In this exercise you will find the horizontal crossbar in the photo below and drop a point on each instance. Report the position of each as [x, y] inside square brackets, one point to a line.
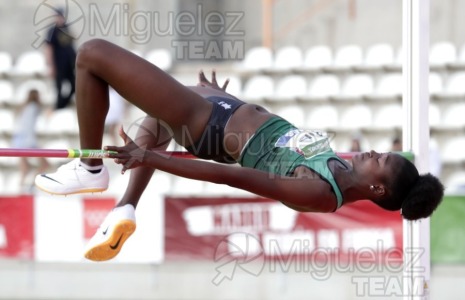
[98, 154]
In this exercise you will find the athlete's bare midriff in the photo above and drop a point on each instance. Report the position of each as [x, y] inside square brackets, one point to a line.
[243, 123]
[242, 126]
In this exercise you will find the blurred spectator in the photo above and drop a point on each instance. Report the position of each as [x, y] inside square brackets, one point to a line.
[61, 58]
[356, 143]
[115, 116]
[24, 135]
[396, 144]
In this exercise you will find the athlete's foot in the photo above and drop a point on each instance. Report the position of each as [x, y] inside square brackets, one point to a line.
[110, 237]
[73, 178]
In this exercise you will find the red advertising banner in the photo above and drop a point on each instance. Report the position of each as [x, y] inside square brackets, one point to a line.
[17, 227]
[211, 228]
[95, 211]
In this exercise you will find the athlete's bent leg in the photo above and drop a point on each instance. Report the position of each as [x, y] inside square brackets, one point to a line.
[139, 82]
[120, 223]
[99, 64]
[151, 134]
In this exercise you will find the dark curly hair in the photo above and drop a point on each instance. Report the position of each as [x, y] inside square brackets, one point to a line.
[416, 195]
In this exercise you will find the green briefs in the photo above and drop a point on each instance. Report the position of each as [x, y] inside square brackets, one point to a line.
[278, 147]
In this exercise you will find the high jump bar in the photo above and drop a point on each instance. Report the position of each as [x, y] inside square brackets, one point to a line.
[99, 154]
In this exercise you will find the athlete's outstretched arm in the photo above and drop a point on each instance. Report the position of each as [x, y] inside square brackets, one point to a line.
[308, 194]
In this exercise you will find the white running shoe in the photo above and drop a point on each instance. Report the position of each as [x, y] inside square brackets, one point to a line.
[117, 227]
[72, 178]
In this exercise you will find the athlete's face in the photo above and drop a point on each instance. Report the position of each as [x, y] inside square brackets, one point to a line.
[374, 166]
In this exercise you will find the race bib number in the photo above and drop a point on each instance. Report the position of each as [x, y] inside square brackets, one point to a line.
[306, 143]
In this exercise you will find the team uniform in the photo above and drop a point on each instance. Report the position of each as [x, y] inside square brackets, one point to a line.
[277, 147]
[210, 146]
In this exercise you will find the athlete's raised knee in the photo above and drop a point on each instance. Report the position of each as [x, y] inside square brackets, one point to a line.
[89, 50]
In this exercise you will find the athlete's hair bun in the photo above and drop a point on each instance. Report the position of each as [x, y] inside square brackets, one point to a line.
[423, 198]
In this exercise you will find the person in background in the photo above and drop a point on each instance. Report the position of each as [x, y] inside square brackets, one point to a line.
[61, 57]
[24, 135]
[356, 143]
[396, 144]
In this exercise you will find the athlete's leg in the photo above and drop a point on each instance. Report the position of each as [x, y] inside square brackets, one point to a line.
[152, 135]
[100, 63]
[119, 225]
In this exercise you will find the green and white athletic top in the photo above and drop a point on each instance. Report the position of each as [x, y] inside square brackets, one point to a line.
[279, 147]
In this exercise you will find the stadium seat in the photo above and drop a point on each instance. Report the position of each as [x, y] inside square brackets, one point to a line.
[234, 86]
[346, 58]
[6, 63]
[316, 58]
[388, 117]
[256, 60]
[30, 63]
[376, 57]
[286, 59]
[160, 58]
[293, 113]
[454, 87]
[441, 54]
[388, 87]
[356, 117]
[455, 183]
[381, 143]
[435, 84]
[323, 87]
[323, 117]
[454, 116]
[8, 162]
[45, 92]
[7, 121]
[452, 150]
[356, 87]
[62, 122]
[397, 63]
[459, 64]
[257, 88]
[434, 115]
[6, 92]
[289, 88]
[187, 79]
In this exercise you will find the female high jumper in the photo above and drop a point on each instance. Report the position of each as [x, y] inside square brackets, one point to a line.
[278, 160]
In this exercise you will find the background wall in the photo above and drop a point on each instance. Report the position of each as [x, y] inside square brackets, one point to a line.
[295, 22]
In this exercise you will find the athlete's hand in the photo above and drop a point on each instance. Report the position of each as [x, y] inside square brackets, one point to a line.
[130, 155]
[203, 81]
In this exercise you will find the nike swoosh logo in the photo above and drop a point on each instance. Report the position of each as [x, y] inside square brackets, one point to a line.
[43, 175]
[105, 231]
[115, 246]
